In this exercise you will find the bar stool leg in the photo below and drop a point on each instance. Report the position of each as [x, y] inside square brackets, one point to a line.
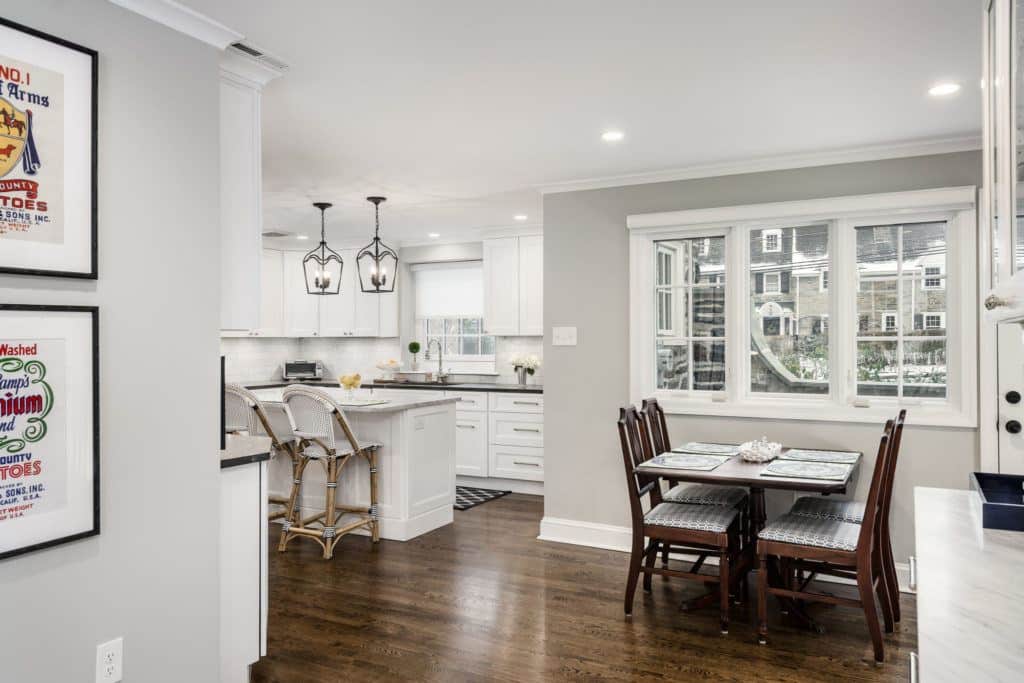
[329, 509]
[371, 458]
[293, 516]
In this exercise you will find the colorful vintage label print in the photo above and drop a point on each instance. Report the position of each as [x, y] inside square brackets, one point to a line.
[31, 152]
[33, 454]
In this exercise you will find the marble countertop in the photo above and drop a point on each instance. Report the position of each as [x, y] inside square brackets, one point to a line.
[970, 595]
[244, 450]
[455, 386]
[393, 404]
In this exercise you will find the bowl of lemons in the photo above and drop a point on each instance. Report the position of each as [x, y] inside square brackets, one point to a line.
[350, 383]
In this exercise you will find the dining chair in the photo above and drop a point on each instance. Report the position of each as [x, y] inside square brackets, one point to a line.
[697, 529]
[245, 412]
[327, 438]
[824, 545]
[853, 511]
[692, 493]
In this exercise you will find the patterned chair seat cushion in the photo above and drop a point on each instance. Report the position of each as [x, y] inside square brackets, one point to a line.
[843, 510]
[820, 532]
[714, 518]
[706, 494]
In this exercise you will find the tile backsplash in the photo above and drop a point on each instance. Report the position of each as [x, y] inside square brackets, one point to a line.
[261, 359]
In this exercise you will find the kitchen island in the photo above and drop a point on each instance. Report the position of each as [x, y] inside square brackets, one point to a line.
[415, 463]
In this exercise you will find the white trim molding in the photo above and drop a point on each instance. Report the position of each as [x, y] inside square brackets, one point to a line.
[912, 148]
[183, 19]
[246, 70]
[843, 215]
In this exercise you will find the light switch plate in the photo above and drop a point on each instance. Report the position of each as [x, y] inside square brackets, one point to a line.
[563, 336]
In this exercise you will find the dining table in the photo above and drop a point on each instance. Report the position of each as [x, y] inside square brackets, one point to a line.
[738, 472]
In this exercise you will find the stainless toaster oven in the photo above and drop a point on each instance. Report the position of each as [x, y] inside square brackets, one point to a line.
[303, 369]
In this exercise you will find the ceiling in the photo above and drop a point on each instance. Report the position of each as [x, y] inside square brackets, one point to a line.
[459, 110]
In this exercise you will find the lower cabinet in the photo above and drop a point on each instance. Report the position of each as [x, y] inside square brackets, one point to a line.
[516, 462]
[471, 443]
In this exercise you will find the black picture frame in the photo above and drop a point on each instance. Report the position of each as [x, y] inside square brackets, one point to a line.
[93, 272]
[94, 313]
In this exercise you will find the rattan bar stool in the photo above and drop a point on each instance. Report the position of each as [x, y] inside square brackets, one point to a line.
[245, 412]
[326, 437]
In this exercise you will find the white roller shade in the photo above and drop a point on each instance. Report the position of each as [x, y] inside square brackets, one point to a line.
[449, 289]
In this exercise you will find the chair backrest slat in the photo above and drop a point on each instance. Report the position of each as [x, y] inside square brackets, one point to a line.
[636, 449]
[890, 471]
[873, 505]
[654, 414]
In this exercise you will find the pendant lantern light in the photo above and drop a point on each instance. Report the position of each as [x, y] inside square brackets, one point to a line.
[322, 266]
[377, 263]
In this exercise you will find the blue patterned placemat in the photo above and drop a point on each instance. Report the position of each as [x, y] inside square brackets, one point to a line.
[807, 455]
[797, 469]
[707, 448]
[689, 461]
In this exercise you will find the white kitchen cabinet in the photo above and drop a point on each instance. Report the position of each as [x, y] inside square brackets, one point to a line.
[271, 295]
[516, 403]
[469, 401]
[388, 311]
[301, 309]
[501, 289]
[516, 429]
[516, 462]
[470, 443]
[351, 312]
[531, 286]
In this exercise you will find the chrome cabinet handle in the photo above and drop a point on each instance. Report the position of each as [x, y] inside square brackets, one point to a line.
[525, 403]
[525, 429]
[914, 668]
[913, 573]
[530, 464]
[466, 426]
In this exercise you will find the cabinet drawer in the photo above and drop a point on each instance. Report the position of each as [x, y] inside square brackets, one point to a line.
[469, 401]
[517, 403]
[407, 393]
[517, 462]
[517, 429]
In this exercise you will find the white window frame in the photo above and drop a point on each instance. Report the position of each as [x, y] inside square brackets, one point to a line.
[941, 315]
[940, 277]
[886, 315]
[777, 234]
[956, 206]
[777, 279]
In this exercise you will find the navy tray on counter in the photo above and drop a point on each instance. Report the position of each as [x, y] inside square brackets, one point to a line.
[1002, 500]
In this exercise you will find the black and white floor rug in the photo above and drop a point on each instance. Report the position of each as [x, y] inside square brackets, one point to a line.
[469, 496]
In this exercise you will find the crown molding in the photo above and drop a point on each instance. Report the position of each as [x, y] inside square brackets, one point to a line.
[249, 70]
[776, 163]
[184, 20]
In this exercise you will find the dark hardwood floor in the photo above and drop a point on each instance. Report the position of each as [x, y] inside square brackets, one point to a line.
[483, 599]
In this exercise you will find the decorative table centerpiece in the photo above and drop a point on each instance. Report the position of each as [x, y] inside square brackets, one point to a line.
[389, 367]
[525, 366]
[761, 450]
[350, 383]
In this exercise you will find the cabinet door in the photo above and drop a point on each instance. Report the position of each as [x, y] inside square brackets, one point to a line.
[366, 317]
[271, 294]
[301, 310]
[516, 429]
[471, 443]
[501, 286]
[516, 462]
[531, 286]
[337, 311]
[388, 315]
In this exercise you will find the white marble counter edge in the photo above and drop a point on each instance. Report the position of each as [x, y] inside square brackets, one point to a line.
[392, 406]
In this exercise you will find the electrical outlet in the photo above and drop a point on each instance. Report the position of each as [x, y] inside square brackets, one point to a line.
[110, 661]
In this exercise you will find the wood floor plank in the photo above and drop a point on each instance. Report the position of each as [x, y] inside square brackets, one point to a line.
[483, 600]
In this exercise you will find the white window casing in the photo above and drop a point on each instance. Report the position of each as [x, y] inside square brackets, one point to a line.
[771, 241]
[955, 206]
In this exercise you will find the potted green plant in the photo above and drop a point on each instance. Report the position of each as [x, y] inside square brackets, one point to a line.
[414, 349]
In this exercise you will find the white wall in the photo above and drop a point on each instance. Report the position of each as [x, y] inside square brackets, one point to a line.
[151, 575]
[587, 285]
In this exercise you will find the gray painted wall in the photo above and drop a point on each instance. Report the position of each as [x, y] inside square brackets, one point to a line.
[586, 278]
[151, 576]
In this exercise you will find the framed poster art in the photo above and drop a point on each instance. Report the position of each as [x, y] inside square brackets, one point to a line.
[49, 426]
[47, 154]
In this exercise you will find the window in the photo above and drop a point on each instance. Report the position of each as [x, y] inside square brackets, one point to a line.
[901, 355]
[449, 310]
[690, 302]
[932, 277]
[866, 305]
[790, 356]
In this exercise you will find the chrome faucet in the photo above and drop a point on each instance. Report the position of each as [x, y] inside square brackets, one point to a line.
[440, 359]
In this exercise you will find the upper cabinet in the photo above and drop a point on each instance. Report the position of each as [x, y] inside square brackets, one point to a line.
[513, 286]
[301, 309]
[271, 294]
[241, 217]
[352, 312]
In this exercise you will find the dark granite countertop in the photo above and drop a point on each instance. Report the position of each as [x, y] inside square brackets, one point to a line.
[455, 386]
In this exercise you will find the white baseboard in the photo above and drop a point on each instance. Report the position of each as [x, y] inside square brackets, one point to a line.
[533, 488]
[620, 538]
[397, 529]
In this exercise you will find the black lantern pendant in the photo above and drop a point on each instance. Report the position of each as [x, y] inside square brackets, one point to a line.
[322, 266]
[377, 263]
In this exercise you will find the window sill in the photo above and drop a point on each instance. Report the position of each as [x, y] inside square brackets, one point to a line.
[812, 411]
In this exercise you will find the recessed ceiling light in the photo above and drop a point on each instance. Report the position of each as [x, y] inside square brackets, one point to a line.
[302, 237]
[943, 89]
[612, 135]
[433, 235]
[520, 217]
